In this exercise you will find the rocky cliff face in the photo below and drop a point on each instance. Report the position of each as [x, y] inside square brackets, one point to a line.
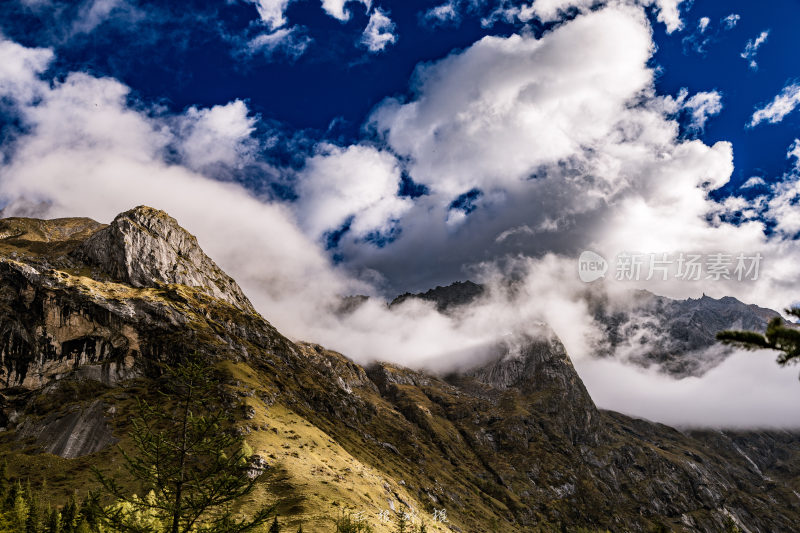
[145, 247]
[513, 445]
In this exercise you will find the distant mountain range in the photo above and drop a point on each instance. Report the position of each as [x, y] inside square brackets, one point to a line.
[645, 329]
[513, 445]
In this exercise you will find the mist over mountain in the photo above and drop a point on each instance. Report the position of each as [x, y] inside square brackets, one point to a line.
[514, 443]
[676, 336]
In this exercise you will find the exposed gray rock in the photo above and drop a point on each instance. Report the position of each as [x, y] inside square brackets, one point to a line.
[145, 247]
[79, 432]
[256, 465]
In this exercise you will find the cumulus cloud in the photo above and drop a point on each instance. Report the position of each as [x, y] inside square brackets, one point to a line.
[783, 104]
[478, 116]
[20, 69]
[751, 49]
[218, 135]
[380, 31]
[356, 185]
[337, 9]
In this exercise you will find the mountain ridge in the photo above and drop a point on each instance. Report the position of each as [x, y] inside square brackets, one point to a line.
[515, 444]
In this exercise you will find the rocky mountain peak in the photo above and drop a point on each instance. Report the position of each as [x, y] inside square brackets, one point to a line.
[145, 247]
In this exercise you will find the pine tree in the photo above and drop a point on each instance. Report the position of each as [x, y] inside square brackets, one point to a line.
[401, 522]
[53, 521]
[4, 481]
[186, 455]
[11, 495]
[300, 529]
[778, 336]
[88, 512]
[33, 522]
[275, 527]
[349, 523]
[19, 510]
[69, 516]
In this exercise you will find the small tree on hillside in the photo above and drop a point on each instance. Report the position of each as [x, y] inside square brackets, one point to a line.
[189, 465]
[350, 523]
[275, 527]
[778, 336]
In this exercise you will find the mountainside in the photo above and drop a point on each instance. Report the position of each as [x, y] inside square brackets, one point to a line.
[676, 334]
[513, 445]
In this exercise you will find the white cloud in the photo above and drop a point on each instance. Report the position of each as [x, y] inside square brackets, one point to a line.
[480, 116]
[336, 8]
[379, 32]
[668, 11]
[753, 181]
[702, 106]
[272, 12]
[443, 13]
[725, 397]
[20, 68]
[702, 24]
[781, 207]
[290, 41]
[731, 21]
[751, 49]
[340, 183]
[783, 104]
[93, 13]
[218, 135]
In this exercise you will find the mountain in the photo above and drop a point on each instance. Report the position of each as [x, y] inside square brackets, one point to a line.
[515, 444]
[448, 297]
[679, 336]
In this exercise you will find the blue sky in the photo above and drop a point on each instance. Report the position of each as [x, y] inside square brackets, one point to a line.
[181, 54]
[305, 90]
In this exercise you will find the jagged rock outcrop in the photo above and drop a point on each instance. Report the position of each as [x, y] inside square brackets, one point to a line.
[513, 445]
[446, 298]
[145, 247]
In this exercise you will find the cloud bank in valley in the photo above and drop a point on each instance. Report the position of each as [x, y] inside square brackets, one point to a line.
[522, 152]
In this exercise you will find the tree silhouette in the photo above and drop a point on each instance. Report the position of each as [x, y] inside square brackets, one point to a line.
[779, 336]
[189, 464]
